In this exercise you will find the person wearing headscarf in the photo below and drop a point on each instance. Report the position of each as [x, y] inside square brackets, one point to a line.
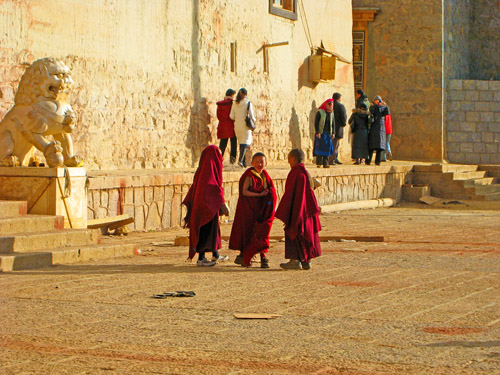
[225, 129]
[376, 135]
[204, 203]
[361, 97]
[254, 214]
[324, 127]
[340, 116]
[299, 211]
[360, 121]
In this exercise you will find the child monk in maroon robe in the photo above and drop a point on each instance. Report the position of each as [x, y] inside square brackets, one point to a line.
[254, 214]
[299, 211]
[204, 201]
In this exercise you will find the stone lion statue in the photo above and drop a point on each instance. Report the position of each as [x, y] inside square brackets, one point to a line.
[40, 111]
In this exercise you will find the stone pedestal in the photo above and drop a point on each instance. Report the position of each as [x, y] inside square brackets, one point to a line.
[48, 191]
[413, 193]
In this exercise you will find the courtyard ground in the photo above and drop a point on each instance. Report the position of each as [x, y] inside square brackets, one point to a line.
[424, 301]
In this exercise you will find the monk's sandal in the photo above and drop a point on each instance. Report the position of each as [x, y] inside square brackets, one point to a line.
[291, 265]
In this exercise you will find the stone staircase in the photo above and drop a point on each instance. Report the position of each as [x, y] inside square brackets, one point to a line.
[34, 241]
[456, 181]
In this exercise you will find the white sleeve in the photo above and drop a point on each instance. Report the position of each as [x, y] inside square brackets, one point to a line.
[251, 113]
[231, 115]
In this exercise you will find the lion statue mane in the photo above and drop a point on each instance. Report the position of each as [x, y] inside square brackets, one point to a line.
[41, 117]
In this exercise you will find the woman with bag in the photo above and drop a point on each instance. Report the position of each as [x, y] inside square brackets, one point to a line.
[242, 107]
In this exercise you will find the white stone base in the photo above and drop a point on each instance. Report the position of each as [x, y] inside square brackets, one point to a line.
[44, 188]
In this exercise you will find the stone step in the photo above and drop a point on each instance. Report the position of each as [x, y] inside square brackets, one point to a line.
[488, 189]
[446, 168]
[480, 181]
[26, 261]
[36, 242]
[13, 208]
[30, 223]
[468, 175]
[491, 196]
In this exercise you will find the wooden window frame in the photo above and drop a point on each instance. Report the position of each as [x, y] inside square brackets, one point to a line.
[283, 12]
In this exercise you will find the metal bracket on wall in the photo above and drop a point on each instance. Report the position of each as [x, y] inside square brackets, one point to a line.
[265, 54]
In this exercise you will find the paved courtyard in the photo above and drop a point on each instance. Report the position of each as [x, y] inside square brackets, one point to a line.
[424, 301]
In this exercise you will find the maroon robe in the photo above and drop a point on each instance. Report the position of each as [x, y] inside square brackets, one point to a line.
[254, 217]
[299, 210]
[203, 201]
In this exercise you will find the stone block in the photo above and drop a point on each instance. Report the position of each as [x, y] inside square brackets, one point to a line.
[455, 84]
[494, 127]
[453, 147]
[496, 96]
[491, 148]
[495, 158]
[487, 137]
[129, 195]
[485, 96]
[469, 84]
[472, 95]
[456, 95]
[473, 116]
[497, 137]
[158, 193]
[494, 85]
[472, 158]
[139, 218]
[495, 106]
[459, 137]
[454, 105]
[468, 106]
[487, 117]
[148, 194]
[475, 137]
[485, 158]
[467, 147]
[468, 127]
[482, 85]
[153, 221]
[456, 157]
[497, 116]
[482, 127]
[481, 106]
[479, 148]
[138, 196]
[456, 116]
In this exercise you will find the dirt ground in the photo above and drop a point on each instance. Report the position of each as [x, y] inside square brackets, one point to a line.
[426, 300]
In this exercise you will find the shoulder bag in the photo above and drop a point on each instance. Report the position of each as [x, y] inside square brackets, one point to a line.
[248, 120]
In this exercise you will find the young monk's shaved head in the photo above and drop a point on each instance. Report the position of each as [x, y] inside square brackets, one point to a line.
[258, 154]
[298, 155]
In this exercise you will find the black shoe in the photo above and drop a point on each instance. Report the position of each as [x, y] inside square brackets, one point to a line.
[239, 260]
[337, 161]
[264, 263]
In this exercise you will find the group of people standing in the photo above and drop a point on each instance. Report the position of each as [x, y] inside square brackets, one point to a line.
[232, 126]
[255, 212]
[371, 126]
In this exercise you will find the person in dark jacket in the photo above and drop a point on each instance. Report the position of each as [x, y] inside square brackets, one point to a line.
[361, 97]
[225, 129]
[376, 135]
[360, 124]
[324, 125]
[340, 115]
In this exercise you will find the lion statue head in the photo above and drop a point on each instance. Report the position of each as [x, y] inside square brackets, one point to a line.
[46, 78]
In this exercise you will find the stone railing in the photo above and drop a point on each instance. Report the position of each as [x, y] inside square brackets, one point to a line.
[473, 122]
[153, 197]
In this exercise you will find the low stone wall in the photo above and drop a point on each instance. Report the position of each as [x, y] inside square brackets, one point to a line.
[153, 197]
[473, 122]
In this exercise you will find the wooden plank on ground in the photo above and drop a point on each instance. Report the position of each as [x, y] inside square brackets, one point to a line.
[332, 238]
[255, 316]
[111, 222]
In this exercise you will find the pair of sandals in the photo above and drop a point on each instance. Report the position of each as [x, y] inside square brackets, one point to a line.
[180, 293]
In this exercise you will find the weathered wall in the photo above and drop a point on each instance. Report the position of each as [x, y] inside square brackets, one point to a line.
[154, 200]
[473, 122]
[485, 39]
[147, 74]
[405, 68]
[457, 33]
